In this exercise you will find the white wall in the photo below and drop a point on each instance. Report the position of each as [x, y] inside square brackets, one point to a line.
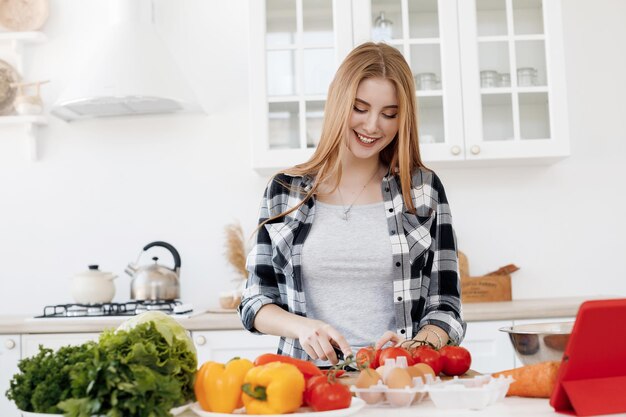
[104, 188]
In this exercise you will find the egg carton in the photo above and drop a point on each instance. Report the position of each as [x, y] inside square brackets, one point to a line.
[381, 394]
[469, 393]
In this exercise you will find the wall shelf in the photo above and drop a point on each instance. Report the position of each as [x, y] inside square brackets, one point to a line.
[30, 124]
[13, 43]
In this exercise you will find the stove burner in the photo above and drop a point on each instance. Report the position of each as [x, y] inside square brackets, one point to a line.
[130, 308]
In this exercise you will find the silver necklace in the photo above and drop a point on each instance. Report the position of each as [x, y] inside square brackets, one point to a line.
[346, 211]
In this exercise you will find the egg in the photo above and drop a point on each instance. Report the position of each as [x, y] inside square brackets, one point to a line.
[398, 379]
[416, 372]
[369, 378]
[426, 370]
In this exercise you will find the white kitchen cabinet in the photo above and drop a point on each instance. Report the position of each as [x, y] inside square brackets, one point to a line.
[31, 342]
[221, 346]
[490, 348]
[450, 44]
[9, 358]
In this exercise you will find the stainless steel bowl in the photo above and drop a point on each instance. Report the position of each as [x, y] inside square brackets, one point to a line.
[539, 342]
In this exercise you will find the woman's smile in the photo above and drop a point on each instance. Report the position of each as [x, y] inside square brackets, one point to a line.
[364, 139]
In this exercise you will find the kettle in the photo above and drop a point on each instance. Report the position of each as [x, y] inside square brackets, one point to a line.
[155, 282]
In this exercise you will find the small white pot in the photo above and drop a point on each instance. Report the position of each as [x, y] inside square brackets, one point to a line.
[93, 286]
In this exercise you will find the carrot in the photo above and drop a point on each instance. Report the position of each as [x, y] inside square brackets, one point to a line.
[536, 380]
[307, 368]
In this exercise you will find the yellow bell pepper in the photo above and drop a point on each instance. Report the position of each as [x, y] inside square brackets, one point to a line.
[218, 386]
[275, 388]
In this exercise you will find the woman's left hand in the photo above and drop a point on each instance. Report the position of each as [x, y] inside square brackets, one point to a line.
[387, 337]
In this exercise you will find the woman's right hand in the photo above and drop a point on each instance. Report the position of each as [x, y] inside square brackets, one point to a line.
[318, 338]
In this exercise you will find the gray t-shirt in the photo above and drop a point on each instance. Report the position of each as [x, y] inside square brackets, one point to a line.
[347, 272]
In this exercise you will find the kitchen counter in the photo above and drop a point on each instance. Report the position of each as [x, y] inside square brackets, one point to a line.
[504, 310]
[510, 406]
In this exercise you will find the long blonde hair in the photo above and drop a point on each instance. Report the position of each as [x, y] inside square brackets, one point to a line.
[367, 60]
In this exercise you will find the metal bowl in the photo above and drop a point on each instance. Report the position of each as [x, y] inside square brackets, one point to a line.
[539, 342]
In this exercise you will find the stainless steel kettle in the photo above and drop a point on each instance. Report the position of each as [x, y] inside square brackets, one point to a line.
[154, 281]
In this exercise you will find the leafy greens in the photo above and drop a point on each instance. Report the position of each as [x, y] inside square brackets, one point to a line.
[134, 373]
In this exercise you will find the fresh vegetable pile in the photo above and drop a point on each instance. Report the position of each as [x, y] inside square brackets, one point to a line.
[143, 369]
[273, 384]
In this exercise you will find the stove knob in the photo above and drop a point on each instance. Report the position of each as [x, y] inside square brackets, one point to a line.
[200, 340]
[9, 344]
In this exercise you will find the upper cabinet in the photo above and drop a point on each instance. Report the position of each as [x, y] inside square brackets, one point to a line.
[489, 74]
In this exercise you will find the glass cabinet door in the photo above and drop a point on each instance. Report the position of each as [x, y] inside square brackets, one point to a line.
[426, 33]
[295, 48]
[300, 63]
[507, 86]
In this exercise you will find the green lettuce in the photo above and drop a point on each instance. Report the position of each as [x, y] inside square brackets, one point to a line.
[140, 372]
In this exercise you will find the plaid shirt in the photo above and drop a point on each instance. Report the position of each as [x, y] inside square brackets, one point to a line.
[426, 287]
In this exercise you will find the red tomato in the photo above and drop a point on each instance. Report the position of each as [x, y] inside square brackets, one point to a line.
[310, 384]
[393, 353]
[326, 395]
[367, 357]
[376, 363]
[456, 360]
[429, 356]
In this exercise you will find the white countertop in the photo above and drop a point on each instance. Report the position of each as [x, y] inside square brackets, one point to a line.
[504, 310]
[510, 406]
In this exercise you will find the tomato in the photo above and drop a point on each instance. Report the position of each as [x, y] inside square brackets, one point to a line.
[376, 363]
[393, 353]
[310, 384]
[456, 360]
[429, 356]
[326, 394]
[367, 357]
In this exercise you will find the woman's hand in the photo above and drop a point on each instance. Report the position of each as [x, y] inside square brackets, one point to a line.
[387, 337]
[318, 338]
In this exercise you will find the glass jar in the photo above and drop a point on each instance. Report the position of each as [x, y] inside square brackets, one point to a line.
[426, 81]
[383, 29]
[505, 80]
[489, 79]
[526, 77]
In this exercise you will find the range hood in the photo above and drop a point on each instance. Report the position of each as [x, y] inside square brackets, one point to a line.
[131, 72]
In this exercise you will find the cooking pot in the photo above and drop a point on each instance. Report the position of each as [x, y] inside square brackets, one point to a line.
[93, 286]
[155, 281]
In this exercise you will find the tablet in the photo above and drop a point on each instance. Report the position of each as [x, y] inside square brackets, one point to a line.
[592, 376]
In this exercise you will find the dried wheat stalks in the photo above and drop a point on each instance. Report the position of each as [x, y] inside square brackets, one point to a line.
[236, 249]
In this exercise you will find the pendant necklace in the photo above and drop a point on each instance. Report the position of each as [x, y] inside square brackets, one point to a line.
[346, 211]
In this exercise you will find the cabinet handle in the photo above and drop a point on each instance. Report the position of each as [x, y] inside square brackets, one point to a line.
[455, 150]
[200, 340]
[9, 344]
[475, 150]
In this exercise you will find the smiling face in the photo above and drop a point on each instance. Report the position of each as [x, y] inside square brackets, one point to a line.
[373, 122]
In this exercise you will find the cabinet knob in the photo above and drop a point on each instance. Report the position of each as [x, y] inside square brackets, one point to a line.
[455, 150]
[475, 150]
[9, 344]
[200, 340]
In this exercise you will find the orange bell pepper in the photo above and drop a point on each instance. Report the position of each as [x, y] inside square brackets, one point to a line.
[218, 386]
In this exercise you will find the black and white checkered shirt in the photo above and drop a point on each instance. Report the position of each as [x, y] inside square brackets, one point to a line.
[426, 288]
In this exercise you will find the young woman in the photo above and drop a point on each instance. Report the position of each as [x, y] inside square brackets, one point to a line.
[356, 245]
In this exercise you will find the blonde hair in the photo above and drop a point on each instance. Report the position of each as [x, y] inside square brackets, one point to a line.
[368, 60]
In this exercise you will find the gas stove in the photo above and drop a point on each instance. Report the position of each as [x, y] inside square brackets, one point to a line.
[130, 308]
